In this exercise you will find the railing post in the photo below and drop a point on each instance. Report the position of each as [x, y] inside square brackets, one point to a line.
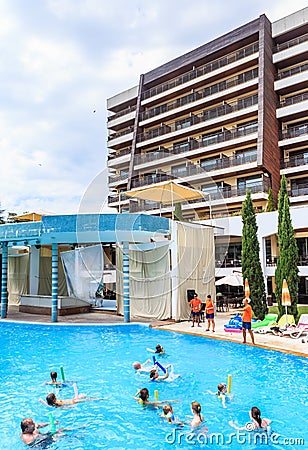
[54, 282]
[4, 299]
[126, 299]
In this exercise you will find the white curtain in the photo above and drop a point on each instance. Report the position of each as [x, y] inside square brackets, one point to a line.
[18, 279]
[150, 282]
[83, 268]
[196, 264]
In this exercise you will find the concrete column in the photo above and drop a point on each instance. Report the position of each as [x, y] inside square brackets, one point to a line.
[4, 299]
[126, 300]
[54, 282]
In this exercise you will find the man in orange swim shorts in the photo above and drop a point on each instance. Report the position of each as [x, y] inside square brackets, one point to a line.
[247, 316]
[195, 305]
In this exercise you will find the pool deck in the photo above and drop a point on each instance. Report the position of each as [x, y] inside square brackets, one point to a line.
[283, 344]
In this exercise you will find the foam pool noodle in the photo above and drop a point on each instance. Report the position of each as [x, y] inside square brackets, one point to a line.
[229, 385]
[156, 394]
[62, 373]
[52, 423]
[75, 390]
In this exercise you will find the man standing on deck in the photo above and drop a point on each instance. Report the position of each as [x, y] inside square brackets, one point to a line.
[247, 317]
[195, 305]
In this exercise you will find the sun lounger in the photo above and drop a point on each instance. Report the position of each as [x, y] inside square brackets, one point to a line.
[274, 327]
[268, 320]
[295, 331]
[283, 323]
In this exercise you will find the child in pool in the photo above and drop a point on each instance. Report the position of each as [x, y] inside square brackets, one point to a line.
[52, 400]
[142, 396]
[154, 375]
[257, 422]
[158, 349]
[168, 413]
[198, 418]
[54, 382]
[144, 367]
[221, 393]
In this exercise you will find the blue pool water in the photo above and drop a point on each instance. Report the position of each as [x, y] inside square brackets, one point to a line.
[100, 359]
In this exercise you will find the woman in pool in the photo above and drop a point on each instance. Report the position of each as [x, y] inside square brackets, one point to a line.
[52, 400]
[256, 423]
[142, 396]
[196, 410]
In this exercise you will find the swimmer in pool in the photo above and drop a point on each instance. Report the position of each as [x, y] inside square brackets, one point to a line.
[221, 393]
[158, 349]
[144, 367]
[30, 431]
[54, 382]
[142, 396]
[52, 400]
[198, 418]
[256, 423]
[168, 413]
[154, 375]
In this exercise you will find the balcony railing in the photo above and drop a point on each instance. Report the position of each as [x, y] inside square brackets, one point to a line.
[293, 132]
[295, 161]
[293, 71]
[202, 70]
[203, 93]
[200, 118]
[122, 113]
[272, 261]
[120, 133]
[293, 100]
[228, 262]
[151, 179]
[297, 191]
[118, 198]
[220, 194]
[116, 178]
[291, 43]
[194, 144]
[127, 151]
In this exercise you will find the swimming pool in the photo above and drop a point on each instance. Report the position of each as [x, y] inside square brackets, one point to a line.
[99, 359]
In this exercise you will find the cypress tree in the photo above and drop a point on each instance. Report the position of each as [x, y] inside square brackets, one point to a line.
[251, 265]
[281, 196]
[270, 202]
[287, 261]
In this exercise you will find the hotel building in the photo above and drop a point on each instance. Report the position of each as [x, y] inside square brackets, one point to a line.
[229, 116]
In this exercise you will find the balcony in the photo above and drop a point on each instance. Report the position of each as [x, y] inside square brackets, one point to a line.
[298, 191]
[202, 70]
[117, 178]
[293, 71]
[228, 262]
[293, 100]
[219, 194]
[151, 179]
[294, 132]
[272, 261]
[294, 161]
[291, 43]
[198, 95]
[195, 144]
[120, 133]
[200, 118]
[117, 198]
[121, 113]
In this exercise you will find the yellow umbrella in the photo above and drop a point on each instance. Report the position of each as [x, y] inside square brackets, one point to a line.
[285, 297]
[247, 289]
[168, 192]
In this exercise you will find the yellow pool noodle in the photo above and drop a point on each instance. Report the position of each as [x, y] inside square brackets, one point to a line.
[229, 385]
[156, 394]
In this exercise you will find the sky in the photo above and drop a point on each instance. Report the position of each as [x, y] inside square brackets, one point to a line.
[62, 59]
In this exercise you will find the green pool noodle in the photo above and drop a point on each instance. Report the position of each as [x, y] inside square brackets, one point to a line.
[52, 423]
[62, 373]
